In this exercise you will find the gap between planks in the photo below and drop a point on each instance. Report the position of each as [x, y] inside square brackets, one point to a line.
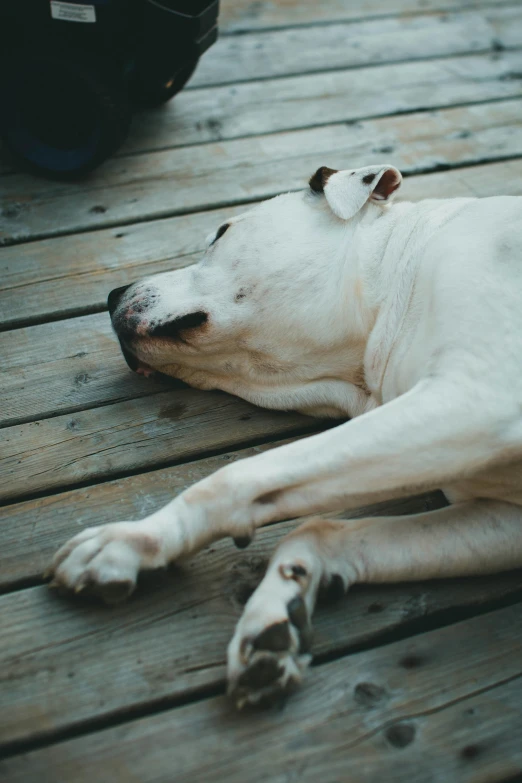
[349, 44]
[131, 439]
[264, 107]
[246, 170]
[300, 51]
[350, 705]
[80, 649]
[267, 15]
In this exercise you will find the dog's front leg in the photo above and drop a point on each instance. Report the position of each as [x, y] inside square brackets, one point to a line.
[423, 439]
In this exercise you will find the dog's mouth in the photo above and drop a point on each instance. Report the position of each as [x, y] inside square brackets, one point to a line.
[135, 364]
[177, 331]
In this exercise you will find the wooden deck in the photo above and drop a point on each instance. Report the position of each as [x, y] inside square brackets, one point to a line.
[420, 682]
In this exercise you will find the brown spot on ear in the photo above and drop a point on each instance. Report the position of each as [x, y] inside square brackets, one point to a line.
[368, 179]
[320, 178]
[389, 182]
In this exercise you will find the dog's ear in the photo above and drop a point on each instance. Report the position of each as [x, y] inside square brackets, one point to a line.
[348, 191]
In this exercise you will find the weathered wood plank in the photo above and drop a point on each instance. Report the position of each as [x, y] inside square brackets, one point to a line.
[324, 47]
[243, 110]
[349, 711]
[478, 738]
[241, 16]
[31, 531]
[66, 366]
[159, 184]
[103, 443]
[209, 115]
[229, 112]
[67, 276]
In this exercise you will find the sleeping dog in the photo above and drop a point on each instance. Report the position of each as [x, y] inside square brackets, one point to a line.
[404, 318]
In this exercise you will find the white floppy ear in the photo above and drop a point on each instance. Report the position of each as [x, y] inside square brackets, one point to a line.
[348, 191]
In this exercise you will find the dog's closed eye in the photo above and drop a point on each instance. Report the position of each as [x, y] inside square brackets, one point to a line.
[221, 230]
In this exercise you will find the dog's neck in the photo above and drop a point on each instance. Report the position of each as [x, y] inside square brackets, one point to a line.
[384, 251]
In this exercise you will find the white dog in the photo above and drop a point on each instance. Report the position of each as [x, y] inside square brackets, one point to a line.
[408, 320]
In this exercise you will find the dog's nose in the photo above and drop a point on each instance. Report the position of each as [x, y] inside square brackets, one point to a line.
[115, 297]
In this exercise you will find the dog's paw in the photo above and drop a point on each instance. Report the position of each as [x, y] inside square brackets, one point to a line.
[104, 561]
[269, 652]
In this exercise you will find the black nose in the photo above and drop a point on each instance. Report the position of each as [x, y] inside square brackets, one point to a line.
[115, 298]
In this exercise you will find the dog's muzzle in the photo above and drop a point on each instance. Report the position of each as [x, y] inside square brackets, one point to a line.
[131, 321]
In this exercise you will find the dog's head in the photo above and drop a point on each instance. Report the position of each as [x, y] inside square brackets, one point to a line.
[273, 308]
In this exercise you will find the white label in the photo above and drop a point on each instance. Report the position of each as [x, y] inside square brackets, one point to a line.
[71, 12]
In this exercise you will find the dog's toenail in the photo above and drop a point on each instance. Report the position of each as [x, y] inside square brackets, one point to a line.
[276, 638]
[242, 541]
[297, 613]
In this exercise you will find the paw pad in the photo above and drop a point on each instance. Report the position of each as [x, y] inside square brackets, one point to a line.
[261, 673]
[275, 638]
[274, 660]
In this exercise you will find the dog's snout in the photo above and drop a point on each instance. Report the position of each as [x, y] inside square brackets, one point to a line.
[115, 297]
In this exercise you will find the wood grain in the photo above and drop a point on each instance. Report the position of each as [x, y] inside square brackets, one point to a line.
[367, 712]
[107, 442]
[242, 110]
[160, 184]
[240, 16]
[475, 738]
[298, 50]
[66, 366]
[305, 50]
